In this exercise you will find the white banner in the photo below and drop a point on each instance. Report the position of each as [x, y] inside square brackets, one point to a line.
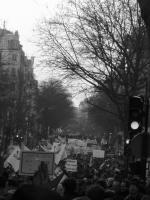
[98, 153]
[77, 142]
[30, 161]
[71, 165]
[91, 141]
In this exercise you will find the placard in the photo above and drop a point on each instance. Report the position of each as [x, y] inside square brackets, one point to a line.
[91, 142]
[98, 153]
[30, 161]
[77, 142]
[71, 165]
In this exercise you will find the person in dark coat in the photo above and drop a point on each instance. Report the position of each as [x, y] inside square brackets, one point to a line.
[35, 192]
[69, 187]
[134, 193]
[95, 192]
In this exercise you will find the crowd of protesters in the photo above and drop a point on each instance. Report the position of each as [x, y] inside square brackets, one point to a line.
[95, 179]
[100, 180]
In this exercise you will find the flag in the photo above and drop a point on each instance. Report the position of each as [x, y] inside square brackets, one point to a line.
[54, 183]
[60, 177]
[13, 159]
[61, 155]
[43, 148]
[24, 148]
[49, 146]
[62, 140]
[56, 147]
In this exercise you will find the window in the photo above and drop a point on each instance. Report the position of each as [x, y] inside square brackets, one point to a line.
[12, 44]
[14, 57]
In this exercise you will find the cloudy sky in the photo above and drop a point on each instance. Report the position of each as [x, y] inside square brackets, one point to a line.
[23, 15]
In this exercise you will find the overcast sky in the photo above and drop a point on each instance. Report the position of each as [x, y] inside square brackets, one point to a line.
[23, 15]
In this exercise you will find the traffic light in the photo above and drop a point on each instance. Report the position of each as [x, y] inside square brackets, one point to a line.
[136, 115]
[127, 142]
[127, 147]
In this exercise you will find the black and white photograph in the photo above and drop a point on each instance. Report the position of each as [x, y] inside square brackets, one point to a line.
[74, 99]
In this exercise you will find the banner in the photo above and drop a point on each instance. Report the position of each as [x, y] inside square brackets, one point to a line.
[58, 149]
[95, 147]
[77, 142]
[13, 159]
[98, 153]
[72, 141]
[71, 165]
[62, 154]
[88, 150]
[91, 142]
[30, 161]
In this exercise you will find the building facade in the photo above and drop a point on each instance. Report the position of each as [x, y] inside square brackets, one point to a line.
[18, 88]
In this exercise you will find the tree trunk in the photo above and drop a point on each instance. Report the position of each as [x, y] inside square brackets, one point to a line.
[145, 13]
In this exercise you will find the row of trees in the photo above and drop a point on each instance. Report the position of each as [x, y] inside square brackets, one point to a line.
[52, 108]
[55, 107]
[102, 43]
[26, 110]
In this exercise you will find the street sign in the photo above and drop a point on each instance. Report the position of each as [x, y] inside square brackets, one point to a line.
[30, 161]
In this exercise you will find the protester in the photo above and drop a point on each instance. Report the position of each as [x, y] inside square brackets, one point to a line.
[95, 192]
[134, 193]
[124, 189]
[93, 179]
[116, 187]
[32, 192]
[70, 189]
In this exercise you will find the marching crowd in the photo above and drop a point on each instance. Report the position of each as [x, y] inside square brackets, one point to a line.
[95, 179]
[103, 180]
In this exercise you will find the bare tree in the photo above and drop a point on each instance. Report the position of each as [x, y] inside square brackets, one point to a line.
[102, 43]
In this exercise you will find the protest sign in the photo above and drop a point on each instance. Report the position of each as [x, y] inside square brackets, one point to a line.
[91, 142]
[95, 147]
[71, 165]
[77, 142]
[88, 150]
[81, 143]
[72, 141]
[98, 153]
[31, 160]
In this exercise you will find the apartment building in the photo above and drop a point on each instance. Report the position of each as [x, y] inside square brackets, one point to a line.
[18, 86]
